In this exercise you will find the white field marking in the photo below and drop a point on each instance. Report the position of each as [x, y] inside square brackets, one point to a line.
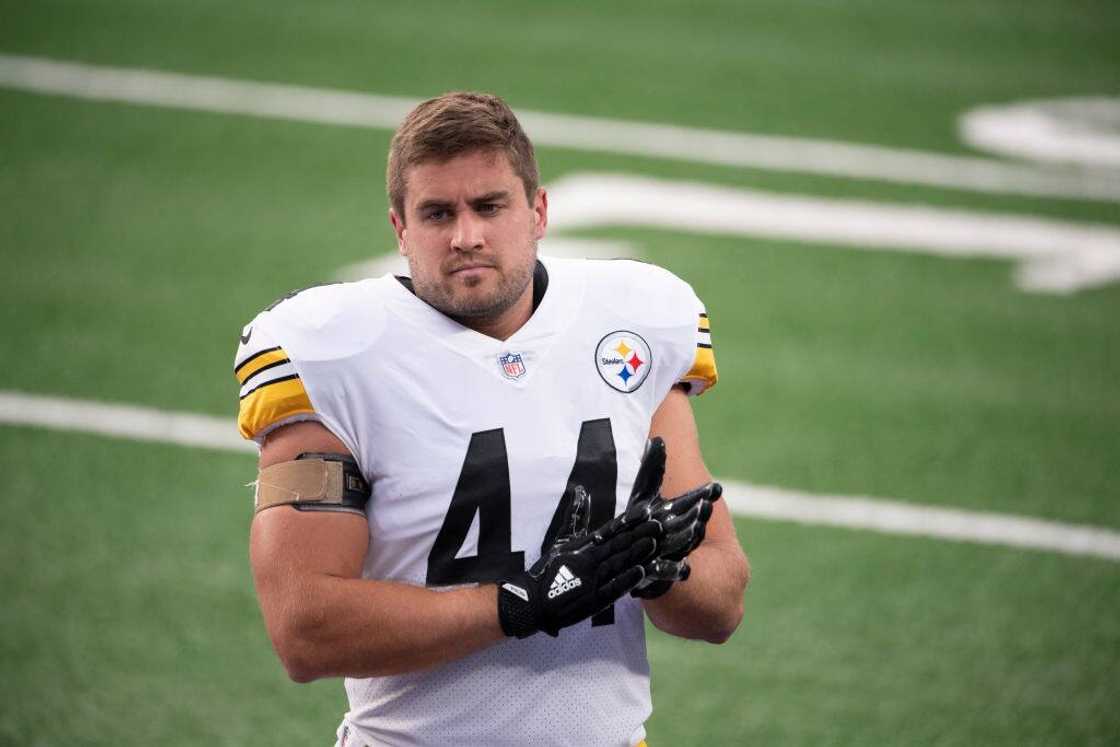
[892, 517]
[1081, 131]
[1057, 256]
[876, 514]
[122, 421]
[647, 140]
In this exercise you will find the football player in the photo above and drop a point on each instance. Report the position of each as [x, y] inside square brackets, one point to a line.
[459, 507]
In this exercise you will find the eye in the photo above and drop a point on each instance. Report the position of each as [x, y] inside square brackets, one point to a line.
[488, 208]
[436, 215]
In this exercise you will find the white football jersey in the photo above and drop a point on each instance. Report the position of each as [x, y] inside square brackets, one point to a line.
[469, 443]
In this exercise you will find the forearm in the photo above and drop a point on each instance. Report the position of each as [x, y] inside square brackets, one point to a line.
[334, 627]
[709, 605]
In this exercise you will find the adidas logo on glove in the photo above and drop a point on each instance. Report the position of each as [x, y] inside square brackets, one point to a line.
[563, 582]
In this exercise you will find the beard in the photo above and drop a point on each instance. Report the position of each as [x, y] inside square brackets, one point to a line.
[449, 296]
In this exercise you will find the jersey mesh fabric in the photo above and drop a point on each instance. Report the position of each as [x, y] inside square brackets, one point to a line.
[558, 697]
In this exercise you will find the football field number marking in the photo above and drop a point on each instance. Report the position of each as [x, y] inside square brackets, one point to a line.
[777, 504]
[1081, 131]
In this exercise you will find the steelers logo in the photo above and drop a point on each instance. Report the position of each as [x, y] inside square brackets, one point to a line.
[624, 360]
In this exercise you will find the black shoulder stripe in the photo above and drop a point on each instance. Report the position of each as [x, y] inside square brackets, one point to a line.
[703, 315]
[253, 357]
[701, 329]
[703, 344]
[260, 370]
[268, 383]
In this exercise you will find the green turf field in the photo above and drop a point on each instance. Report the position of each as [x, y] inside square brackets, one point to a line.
[138, 240]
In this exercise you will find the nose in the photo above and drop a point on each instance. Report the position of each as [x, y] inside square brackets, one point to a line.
[468, 233]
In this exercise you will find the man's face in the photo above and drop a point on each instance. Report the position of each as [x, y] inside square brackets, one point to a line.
[470, 235]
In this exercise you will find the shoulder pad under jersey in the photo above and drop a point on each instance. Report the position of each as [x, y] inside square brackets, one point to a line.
[321, 323]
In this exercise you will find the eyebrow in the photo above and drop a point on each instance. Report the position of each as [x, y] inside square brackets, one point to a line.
[491, 197]
[438, 204]
[430, 204]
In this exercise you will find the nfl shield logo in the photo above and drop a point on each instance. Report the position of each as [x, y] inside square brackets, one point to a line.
[512, 365]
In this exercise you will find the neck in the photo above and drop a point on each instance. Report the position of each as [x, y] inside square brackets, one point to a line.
[503, 325]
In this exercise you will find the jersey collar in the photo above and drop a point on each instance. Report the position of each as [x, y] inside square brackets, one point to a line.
[557, 296]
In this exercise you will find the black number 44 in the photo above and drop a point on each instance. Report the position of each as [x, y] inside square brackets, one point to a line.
[483, 488]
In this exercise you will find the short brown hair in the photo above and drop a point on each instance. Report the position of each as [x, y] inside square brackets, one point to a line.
[450, 125]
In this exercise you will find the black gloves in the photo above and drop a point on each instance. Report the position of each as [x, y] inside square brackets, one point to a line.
[683, 520]
[642, 551]
[581, 573]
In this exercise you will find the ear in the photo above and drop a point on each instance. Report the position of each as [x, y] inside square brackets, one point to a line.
[398, 228]
[540, 212]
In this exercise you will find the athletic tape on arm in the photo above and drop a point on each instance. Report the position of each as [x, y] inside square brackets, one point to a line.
[314, 482]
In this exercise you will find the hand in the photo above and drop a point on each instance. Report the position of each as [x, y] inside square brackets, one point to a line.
[580, 574]
[683, 519]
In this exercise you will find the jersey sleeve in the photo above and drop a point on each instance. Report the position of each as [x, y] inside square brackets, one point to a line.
[702, 375]
[272, 393]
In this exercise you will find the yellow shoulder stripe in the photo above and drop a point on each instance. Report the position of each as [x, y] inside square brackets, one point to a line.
[271, 403]
[705, 325]
[703, 373]
[255, 363]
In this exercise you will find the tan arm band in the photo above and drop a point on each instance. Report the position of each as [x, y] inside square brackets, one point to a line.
[314, 482]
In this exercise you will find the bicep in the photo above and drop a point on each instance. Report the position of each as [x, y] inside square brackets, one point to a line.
[285, 543]
[287, 547]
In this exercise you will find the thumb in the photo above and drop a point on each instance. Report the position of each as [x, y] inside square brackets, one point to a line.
[577, 518]
[647, 483]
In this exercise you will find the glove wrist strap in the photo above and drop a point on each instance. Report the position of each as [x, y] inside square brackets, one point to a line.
[515, 614]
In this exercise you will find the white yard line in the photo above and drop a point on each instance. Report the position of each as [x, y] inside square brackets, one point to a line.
[644, 139]
[122, 421]
[893, 517]
[875, 514]
[1056, 256]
